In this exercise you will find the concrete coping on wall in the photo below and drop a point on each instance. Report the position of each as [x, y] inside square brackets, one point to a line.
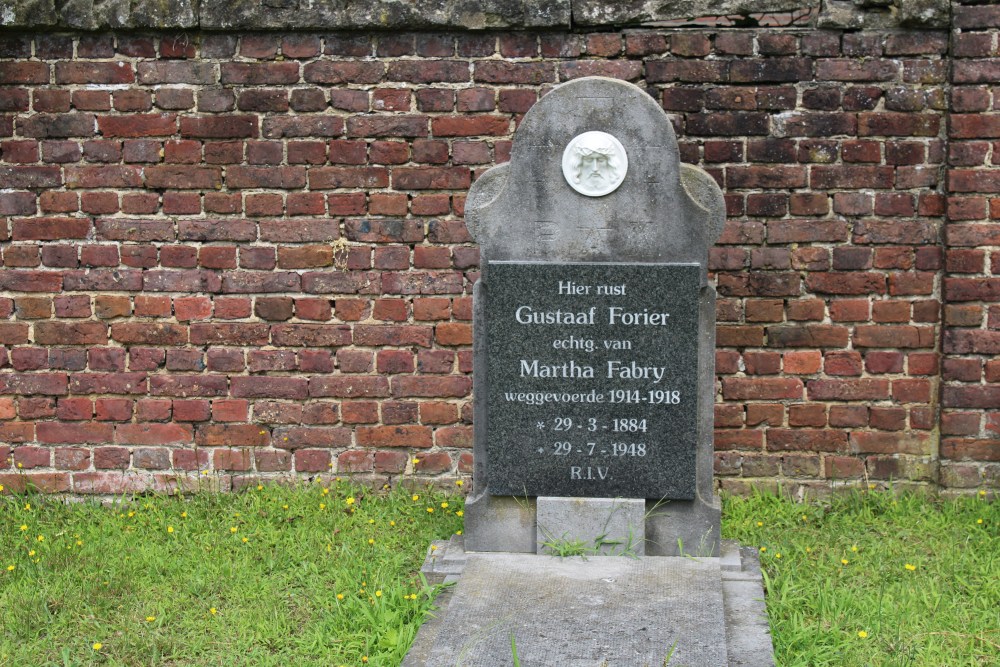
[465, 15]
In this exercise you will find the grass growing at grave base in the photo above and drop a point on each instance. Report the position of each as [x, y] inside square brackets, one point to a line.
[876, 578]
[272, 576]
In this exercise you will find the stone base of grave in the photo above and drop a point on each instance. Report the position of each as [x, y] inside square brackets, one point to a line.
[574, 612]
[508, 524]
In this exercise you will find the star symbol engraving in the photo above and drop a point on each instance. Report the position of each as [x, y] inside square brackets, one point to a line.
[541, 450]
[540, 426]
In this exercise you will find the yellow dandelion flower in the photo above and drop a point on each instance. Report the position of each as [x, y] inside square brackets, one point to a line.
[760, 523]
[459, 513]
[430, 510]
[340, 596]
[31, 553]
[213, 611]
[378, 594]
[809, 550]
[97, 646]
[844, 561]
[20, 465]
[284, 507]
[262, 433]
[24, 526]
[371, 520]
[415, 498]
[170, 529]
[777, 555]
[370, 541]
[27, 506]
[393, 523]
[350, 500]
[11, 568]
[364, 658]
[233, 529]
[326, 491]
[444, 506]
[131, 514]
[41, 538]
[805, 518]
[982, 492]
[458, 532]
[854, 548]
[150, 619]
[979, 521]
[184, 515]
[322, 506]
[260, 487]
[416, 461]
[458, 482]
[245, 540]
[1, 488]
[871, 486]
[910, 567]
[862, 634]
[434, 547]
[763, 549]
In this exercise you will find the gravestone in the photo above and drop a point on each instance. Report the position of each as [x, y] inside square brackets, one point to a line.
[594, 388]
[594, 327]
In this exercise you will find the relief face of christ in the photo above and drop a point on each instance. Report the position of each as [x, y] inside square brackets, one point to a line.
[595, 163]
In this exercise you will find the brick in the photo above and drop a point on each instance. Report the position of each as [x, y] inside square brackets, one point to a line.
[431, 178]
[816, 335]
[847, 390]
[395, 436]
[803, 439]
[90, 73]
[211, 127]
[761, 388]
[497, 71]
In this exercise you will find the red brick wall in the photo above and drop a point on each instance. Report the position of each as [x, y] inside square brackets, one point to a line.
[233, 257]
[970, 398]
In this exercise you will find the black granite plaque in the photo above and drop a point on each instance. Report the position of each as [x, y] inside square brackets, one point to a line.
[592, 376]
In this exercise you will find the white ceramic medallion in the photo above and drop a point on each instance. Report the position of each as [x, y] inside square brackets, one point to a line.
[594, 163]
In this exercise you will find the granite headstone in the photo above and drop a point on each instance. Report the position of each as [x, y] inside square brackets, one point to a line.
[594, 322]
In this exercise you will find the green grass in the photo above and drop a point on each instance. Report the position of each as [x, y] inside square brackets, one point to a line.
[877, 579]
[101, 572]
[294, 576]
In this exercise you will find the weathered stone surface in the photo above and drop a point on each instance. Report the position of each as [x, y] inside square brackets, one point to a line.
[100, 14]
[28, 13]
[735, 575]
[924, 13]
[577, 613]
[464, 14]
[632, 12]
[452, 14]
[884, 14]
[606, 526]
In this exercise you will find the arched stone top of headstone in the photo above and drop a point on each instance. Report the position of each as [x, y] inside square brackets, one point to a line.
[530, 210]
